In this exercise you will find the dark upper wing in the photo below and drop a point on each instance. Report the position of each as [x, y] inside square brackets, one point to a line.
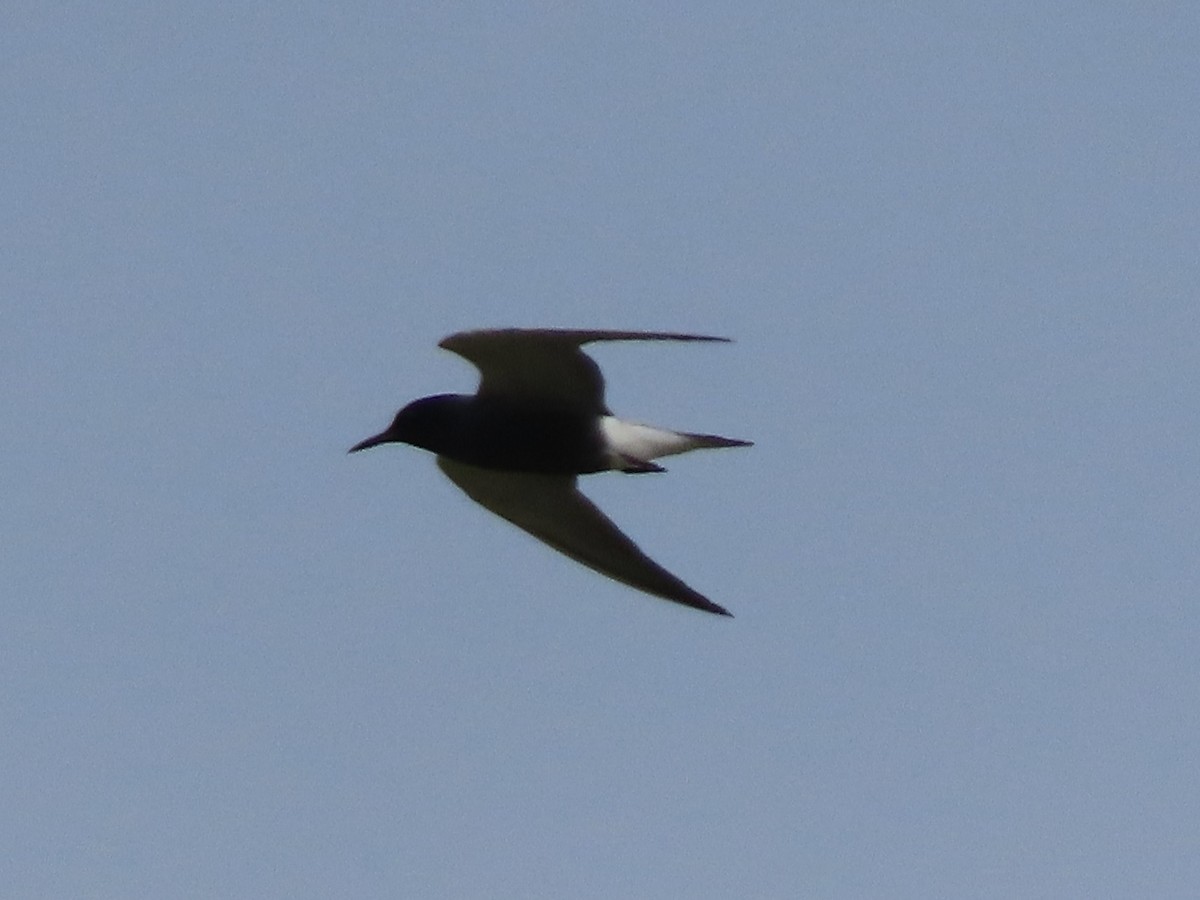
[545, 365]
[551, 509]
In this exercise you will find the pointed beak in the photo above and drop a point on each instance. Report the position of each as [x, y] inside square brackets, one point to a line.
[369, 442]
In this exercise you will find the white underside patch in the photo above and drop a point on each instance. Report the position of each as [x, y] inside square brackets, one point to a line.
[644, 442]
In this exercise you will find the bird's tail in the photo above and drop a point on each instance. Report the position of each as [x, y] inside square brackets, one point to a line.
[702, 441]
[631, 443]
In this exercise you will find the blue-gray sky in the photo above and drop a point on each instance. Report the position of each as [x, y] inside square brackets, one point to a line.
[957, 247]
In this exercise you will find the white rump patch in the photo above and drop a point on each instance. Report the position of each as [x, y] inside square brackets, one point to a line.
[644, 442]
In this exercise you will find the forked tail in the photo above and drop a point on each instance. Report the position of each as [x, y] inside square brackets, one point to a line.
[703, 441]
[632, 446]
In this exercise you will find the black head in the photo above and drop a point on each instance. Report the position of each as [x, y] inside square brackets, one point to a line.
[423, 423]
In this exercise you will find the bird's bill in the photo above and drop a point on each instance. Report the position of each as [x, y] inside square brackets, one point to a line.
[369, 442]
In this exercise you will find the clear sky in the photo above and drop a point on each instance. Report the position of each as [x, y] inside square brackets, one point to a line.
[957, 246]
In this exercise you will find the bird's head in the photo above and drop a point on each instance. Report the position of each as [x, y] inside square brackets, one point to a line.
[423, 423]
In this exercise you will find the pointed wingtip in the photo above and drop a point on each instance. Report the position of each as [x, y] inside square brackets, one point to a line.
[705, 605]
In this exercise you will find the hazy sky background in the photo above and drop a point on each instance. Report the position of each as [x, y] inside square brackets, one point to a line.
[957, 246]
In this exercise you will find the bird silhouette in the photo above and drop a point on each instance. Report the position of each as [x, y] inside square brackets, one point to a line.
[537, 421]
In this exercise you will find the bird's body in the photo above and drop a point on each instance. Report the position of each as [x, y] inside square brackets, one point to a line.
[494, 433]
[538, 421]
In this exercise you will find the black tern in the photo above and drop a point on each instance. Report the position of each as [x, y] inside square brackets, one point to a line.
[537, 421]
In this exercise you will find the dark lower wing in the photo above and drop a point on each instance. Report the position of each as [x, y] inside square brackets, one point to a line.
[551, 508]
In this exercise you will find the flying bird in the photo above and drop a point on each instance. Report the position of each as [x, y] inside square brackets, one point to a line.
[537, 421]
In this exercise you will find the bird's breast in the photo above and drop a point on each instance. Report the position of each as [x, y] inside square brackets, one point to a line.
[528, 440]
